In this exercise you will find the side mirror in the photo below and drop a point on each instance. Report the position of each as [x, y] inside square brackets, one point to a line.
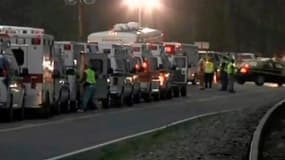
[110, 71]
[160, 66]
[25, 72]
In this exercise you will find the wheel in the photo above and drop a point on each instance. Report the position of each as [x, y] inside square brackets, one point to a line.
[156, 97]
[105, 103]
[176, 92]
[280, 84]
[240, 81]
[183, 91]
[259, 81]
[10, 109]
[73, 105]
[163, 94]
[129, 100]
[137, 98]
[169, 94]
[47, 106]
[147, 97]
[22, 110]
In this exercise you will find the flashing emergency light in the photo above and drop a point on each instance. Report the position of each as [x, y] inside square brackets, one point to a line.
[67, 47]
[169, 49]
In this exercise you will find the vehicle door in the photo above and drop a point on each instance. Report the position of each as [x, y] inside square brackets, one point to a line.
[101, 64]
[180, 73]
[279, 72]
[269, 72]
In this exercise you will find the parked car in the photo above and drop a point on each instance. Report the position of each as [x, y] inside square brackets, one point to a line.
[261, 71]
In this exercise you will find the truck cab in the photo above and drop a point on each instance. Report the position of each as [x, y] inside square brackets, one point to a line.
[114, 83]
[67, 57]
[147, 72]
[179, 68]
[12, 91]
[33, 50]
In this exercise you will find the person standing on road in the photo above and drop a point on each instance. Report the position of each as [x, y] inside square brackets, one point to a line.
[231, 76]
[224, 76]
[89, 82]
[201, 73]
[209, 73]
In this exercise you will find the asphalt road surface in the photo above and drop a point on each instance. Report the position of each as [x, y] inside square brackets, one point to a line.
[41, 139]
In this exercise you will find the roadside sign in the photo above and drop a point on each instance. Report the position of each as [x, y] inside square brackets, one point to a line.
[202, 45]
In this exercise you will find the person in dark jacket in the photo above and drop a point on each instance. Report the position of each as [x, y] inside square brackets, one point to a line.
[224, 77]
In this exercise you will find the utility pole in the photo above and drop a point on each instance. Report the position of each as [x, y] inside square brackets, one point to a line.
[80, 20]
[80, 4]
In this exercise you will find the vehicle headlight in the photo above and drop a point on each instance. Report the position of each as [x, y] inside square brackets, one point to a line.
[61, 82]
[135, 77]
[167, 75]
[13, 85]
[128, 80]
[108, 80]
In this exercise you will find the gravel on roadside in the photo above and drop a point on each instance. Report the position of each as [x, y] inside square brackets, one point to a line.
[223, 137]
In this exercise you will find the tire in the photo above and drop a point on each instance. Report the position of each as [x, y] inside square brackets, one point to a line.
[22, 111]
[240, 81]
[259, 81]
[47, 106]
[137, 98]
[105, 103]
[147, 98]
[129, 100]
[280, 84]
[169, 94]
[156, 97]
[183, 91]
[10, 109]
[176, 92]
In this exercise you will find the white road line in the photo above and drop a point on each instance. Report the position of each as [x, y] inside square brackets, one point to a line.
[159, 105]
[139, 134]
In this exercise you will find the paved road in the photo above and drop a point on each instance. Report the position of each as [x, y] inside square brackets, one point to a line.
[47, 138]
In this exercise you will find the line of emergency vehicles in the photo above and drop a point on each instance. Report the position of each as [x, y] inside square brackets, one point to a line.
[41, 76]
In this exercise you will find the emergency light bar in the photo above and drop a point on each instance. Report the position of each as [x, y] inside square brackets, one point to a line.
[14, 30]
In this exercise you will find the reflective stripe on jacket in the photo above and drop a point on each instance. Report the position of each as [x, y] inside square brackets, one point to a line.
[90, 76]
[209, 67]
[230, 69]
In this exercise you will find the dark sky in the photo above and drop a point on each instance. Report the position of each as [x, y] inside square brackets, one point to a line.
[106, 13]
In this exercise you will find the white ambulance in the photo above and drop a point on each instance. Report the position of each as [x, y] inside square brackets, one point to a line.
[12, 92]
[67, 57]
[142, 61]
[114, 86]
[33, 50]
[180, 68]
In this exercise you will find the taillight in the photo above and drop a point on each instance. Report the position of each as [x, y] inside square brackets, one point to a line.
[169, 49]
[244, 70]
[144, 65]
[67, 47]
[36, 41]
[137, 67]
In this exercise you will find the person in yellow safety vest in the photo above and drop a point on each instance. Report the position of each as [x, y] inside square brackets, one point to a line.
[231, 76]
[209, 73]
[89, 80]
[201, 73]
